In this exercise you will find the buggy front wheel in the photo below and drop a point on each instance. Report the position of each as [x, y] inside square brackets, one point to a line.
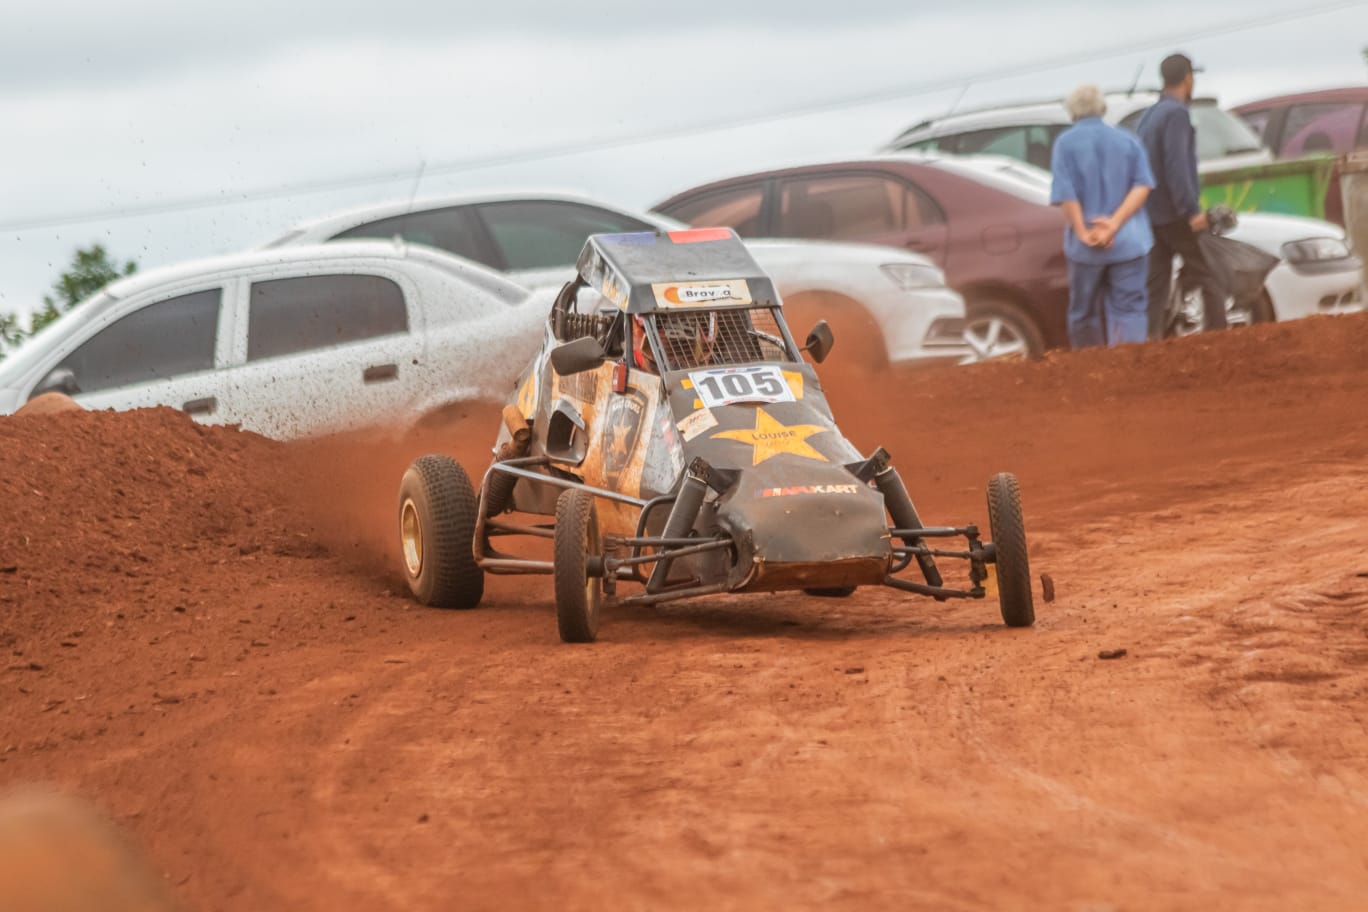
[1013, 570]
[578, 594]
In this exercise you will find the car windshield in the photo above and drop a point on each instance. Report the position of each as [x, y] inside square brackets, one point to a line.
[18, 363]
[692, 339]
[1220, 133]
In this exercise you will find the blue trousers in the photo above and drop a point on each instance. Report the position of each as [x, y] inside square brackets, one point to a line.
[1108, 302]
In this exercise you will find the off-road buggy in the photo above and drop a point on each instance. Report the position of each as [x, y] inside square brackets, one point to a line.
[671, 427]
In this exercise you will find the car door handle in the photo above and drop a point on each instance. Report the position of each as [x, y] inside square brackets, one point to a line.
[377, 373]
[205, 406]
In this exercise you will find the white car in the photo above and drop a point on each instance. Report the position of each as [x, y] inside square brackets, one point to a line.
[1027, 132]
[289, 343]
[536, 239]
[1318, 273]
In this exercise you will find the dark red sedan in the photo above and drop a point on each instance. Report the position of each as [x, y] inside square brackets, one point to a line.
[1333, 120]
[985, 221]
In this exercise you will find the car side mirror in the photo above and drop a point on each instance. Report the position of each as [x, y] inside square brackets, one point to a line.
[819, 342]
[58, 380]
[577, 356]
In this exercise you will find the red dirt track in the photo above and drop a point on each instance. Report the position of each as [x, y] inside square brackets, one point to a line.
[203, 634]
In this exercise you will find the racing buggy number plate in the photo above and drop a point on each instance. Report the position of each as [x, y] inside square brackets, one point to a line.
[723, 386]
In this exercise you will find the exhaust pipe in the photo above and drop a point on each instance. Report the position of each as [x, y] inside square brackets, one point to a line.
[904, 514]
[682, 518]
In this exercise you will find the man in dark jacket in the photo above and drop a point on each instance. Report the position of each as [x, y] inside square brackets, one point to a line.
[1175, 209]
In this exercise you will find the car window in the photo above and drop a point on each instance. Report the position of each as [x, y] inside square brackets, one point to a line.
[543, 234]
[312, 312]
[1032, 143]
[738, 208]
[1321, 127]
[1219, 133]
[452, 229]
[851, 206]
[1257, 121]
[170, 338]
[938, 144]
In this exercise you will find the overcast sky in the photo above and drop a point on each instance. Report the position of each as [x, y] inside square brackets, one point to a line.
[108, 107]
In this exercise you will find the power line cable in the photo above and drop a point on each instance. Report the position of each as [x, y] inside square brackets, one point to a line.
[562, 150]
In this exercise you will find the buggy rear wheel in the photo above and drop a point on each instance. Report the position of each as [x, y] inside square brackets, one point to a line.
[437, 508]
[1013, 570]
[578, 595]
[831, 591]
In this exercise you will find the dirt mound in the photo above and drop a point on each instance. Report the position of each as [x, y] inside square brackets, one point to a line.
[104, 507]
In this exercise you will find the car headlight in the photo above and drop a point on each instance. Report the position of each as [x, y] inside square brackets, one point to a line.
[1315, 250]
[910, 276]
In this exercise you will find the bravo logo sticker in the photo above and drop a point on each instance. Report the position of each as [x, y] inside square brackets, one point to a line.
[810, 489]
[697, 294]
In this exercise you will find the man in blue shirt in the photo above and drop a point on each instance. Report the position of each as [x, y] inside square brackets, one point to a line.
[1175, 207]
[1101, 180]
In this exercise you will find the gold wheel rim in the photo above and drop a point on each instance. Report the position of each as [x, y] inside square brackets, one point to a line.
[411, 534]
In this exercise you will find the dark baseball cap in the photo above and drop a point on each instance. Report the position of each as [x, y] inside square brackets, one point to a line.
[1175, 68]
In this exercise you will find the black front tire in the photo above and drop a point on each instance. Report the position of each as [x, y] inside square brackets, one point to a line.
[579, 596]
[437, 509]
[1012, 567]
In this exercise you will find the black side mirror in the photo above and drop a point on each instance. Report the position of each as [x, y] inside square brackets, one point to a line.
[58, 380]
[576, 357]
[819, 342]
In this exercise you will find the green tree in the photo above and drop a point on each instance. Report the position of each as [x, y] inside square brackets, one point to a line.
[11, 333]
[91, 270]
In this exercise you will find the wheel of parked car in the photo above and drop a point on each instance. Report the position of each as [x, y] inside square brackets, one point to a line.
[996, 328]
[579, 595]
[1009, 539]
[437, 510]
[1187, 315]
[832, 591]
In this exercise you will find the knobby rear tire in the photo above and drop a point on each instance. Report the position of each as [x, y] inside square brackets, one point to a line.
[442, 500]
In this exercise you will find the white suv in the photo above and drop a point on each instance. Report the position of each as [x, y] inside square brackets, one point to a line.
[535, 239]
[1027, 132]
[288, 342]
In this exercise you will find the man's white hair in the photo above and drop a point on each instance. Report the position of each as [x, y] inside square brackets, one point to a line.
[1085, 101]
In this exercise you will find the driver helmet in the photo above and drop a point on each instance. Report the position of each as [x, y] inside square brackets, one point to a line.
[689, 339]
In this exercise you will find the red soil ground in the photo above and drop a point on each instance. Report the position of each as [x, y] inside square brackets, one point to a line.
[203, 634]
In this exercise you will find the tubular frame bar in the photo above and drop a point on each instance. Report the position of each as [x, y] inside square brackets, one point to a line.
[670, 595]
[936, 592]
[516, 467]
[498, 527]
[710, 544]
[511, 566]
[936, 532]
[902, 550]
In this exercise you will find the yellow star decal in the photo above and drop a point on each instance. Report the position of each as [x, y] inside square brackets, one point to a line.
[770, 438]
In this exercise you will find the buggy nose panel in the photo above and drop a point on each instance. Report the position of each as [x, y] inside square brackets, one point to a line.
[819, 528]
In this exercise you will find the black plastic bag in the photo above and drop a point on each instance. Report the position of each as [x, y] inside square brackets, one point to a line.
[1239, 268]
